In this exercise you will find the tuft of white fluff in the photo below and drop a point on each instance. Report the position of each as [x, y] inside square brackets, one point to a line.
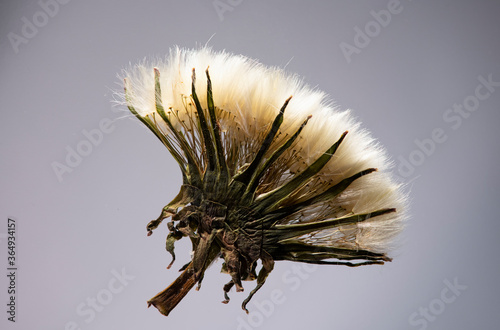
[248, 96]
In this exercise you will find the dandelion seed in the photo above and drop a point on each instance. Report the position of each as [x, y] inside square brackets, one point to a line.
[270, 170]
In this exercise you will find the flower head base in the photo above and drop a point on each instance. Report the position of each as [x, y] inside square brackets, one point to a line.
[265, 175]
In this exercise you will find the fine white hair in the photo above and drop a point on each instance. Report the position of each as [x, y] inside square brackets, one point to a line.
[248, 96]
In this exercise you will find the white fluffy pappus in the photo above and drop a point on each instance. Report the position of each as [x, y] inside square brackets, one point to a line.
[248, 96]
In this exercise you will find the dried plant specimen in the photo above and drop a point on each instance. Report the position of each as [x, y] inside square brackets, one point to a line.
[271, 171]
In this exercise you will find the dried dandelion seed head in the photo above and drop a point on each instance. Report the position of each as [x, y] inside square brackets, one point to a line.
[271, 170]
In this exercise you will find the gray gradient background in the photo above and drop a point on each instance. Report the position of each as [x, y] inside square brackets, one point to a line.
[72, 234]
